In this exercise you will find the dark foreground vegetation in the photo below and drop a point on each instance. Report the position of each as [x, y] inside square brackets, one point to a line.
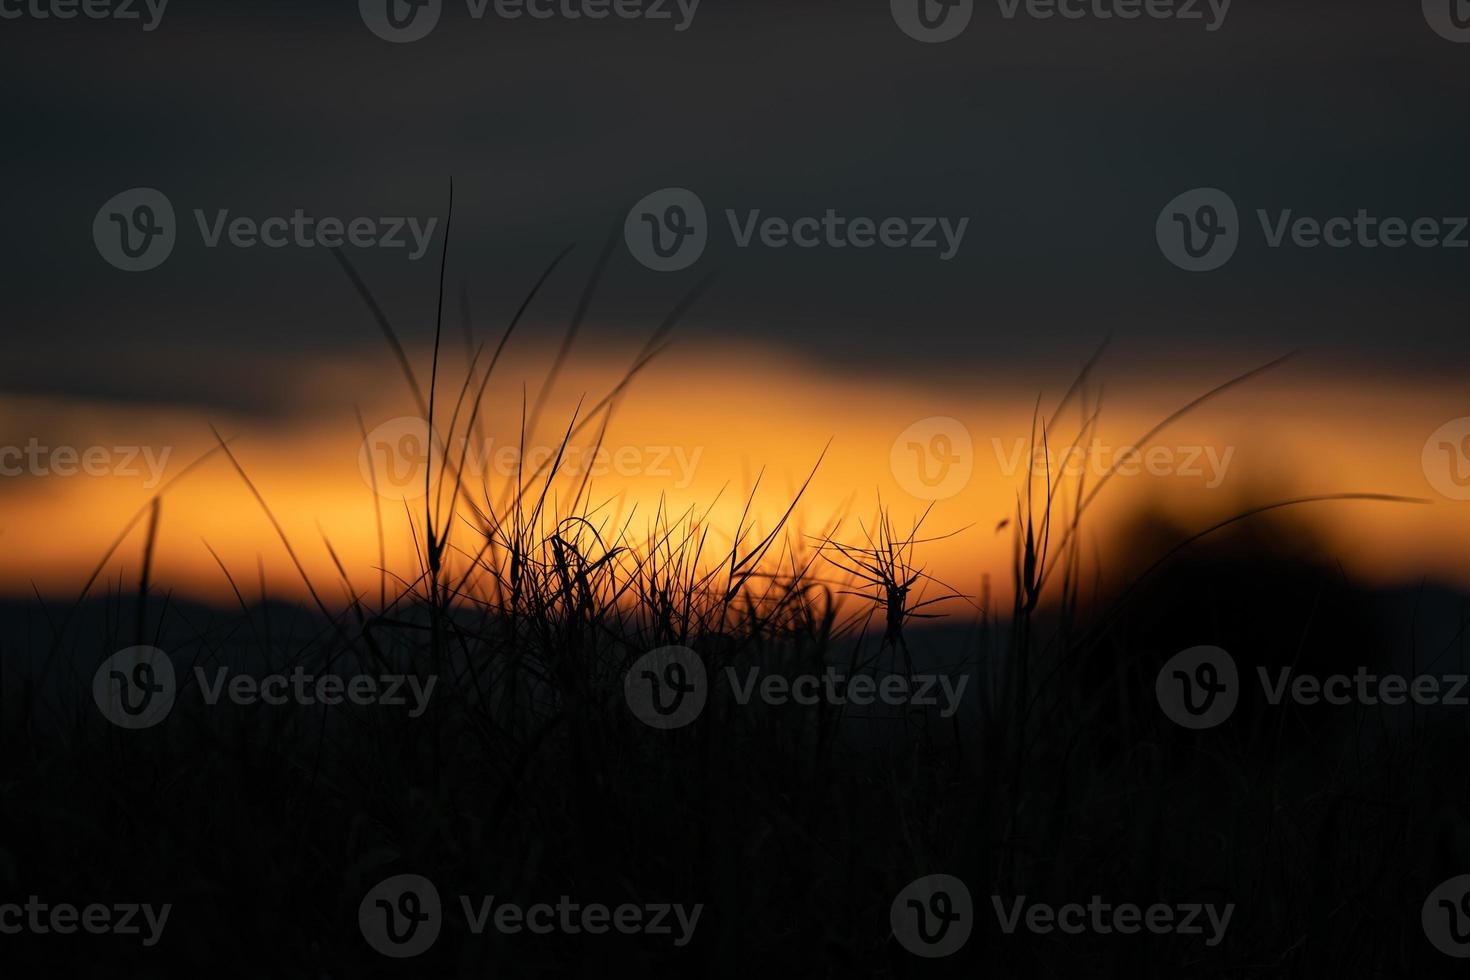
[528, 777]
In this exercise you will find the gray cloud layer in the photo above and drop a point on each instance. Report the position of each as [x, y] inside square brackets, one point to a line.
[1060, 142]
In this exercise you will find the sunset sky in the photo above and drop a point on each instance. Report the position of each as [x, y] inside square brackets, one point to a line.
[1281, 436]
[1045, 135]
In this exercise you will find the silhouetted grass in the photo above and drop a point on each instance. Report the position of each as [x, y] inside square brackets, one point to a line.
[794, 825]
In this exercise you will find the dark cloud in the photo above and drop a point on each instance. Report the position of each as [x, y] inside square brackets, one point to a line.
[1059, 141]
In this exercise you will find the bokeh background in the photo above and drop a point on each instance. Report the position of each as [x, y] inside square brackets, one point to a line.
[1060, 141]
